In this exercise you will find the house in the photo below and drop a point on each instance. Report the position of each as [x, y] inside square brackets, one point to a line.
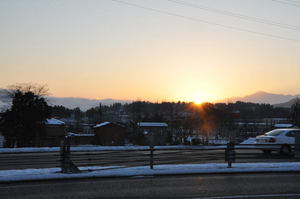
[2, 140]
[283, 125]
[54, 132]
[85, 136]
[155, 132]
[81, 138]
[109, 133]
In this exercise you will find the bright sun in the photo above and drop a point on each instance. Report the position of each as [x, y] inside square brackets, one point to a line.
[198, 101]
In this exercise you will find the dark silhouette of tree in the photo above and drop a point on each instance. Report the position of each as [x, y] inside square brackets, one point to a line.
[60, 112]
[78, 114]
[94, 115]
[296, 113]
[23, 124]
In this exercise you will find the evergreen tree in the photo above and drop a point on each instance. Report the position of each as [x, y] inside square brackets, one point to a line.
[23, 124]
[296, 113]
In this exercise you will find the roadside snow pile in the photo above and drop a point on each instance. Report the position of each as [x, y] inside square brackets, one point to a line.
[53, 121]
[249, 141]
[4, 173]
[53, 173]
[223, 141]
[244, 145]
[103, 148]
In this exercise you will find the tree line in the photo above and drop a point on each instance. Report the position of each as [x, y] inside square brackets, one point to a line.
[24, 122]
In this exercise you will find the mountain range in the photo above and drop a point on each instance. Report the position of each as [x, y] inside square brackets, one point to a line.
[264, 97]
[277, 100]
[83, 103]
[69, 102]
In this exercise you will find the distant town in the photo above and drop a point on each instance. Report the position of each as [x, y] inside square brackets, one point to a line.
[138, 122]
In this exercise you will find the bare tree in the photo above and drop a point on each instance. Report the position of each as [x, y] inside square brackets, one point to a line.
[40, 90]
[23, 124]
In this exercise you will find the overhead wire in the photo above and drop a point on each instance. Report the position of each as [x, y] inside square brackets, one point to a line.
[204, 21]
[236, 15]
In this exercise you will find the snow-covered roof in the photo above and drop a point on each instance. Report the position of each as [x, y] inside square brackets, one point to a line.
[252, 123]
[101, 124]
[81, 134]
[106, 123]
[152, 124]
[53, 121]
[283, 125]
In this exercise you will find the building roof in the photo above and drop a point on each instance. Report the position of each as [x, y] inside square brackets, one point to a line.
[101, 124]
[81, 134]
[53, 121]
[152, 124]
[106, 123]
[283, 125]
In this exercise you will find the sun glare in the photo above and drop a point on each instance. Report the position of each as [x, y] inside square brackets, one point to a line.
[198, 101]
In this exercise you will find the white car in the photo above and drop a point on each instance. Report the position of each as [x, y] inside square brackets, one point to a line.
[278, 139]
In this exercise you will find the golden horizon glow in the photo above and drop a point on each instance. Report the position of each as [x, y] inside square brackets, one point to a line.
[198, 101]
[126, 53]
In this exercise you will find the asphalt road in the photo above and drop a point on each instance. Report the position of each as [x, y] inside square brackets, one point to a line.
[283, 186]
[132, 158]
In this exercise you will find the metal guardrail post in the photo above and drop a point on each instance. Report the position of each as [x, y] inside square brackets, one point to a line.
[230, 154]
[151, 156]
[297, 146]
[67, 166]
[62, 156]
[151, 143]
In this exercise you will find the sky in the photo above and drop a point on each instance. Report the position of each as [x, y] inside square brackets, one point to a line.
[155, 50]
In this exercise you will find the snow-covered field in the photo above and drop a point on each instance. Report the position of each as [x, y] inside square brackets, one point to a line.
[249, 141]
[96, 171]
[216, 144]
[120, 148]
[104, 148]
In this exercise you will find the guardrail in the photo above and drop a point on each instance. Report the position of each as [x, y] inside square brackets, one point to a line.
[141, 156]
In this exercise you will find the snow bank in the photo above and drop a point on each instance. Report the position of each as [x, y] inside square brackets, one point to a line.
[103, 148]
[249, 141]
[124, 148]
[53, 173]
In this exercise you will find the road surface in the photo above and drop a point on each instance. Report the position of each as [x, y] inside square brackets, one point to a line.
[281, 185]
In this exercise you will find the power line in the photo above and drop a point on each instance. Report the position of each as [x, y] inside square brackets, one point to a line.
[203, 21]
[286, 2]
[237, 15]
